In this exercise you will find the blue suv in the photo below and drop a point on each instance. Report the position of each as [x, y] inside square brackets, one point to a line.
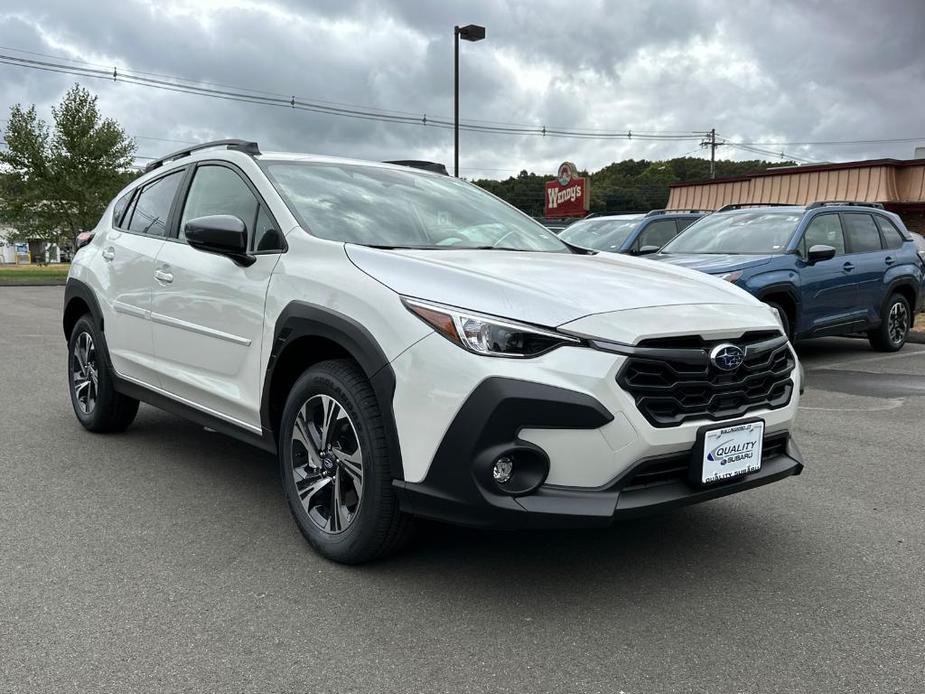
[629, 233]
[829, 268]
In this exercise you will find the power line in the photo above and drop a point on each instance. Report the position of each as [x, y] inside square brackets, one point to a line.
[629, 134]
[839, 142]
[364, 113]
[767, 152]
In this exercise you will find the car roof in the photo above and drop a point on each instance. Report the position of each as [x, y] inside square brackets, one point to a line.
[613, 217]
[779, 209]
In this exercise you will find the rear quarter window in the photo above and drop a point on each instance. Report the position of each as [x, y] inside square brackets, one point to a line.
[118, 211]
[892, 237]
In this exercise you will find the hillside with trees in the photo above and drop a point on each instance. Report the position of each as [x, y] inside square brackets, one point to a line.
[626, 186]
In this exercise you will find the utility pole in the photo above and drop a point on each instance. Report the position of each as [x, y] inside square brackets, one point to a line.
[712, 152]
[456, 101]
[711, 142]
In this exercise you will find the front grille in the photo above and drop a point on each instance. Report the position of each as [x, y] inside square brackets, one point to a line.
[674, 467]
[674, 382]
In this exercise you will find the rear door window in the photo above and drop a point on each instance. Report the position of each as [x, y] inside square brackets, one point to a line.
[152, 206]
[892, 238]
[824, 230]
[861, 233]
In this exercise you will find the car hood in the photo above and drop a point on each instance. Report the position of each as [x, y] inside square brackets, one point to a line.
[541, 288]
[713, 263]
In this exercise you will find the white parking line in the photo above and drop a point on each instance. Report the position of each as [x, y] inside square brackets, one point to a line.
[892, 405]
[863, 360]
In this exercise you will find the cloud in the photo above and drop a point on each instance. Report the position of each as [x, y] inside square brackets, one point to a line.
[788, 72]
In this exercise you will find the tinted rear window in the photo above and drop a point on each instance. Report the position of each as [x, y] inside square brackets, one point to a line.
[152, 206]
[119, 208]
[861, 233]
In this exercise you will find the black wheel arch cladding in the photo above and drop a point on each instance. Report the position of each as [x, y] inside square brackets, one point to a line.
[300, 319]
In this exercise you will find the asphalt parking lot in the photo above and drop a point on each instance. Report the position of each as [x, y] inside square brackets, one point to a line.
[164, 559]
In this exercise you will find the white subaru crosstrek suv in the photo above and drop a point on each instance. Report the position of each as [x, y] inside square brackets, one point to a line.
[410, 345]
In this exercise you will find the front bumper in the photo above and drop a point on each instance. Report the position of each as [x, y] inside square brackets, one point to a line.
[458, 487]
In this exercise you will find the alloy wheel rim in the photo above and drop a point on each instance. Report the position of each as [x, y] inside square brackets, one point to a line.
[327, 464]
[899, 322]
[84, 373]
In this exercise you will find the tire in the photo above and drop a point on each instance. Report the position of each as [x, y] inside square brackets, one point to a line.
[337, 478]
[896, 321]
[784, 319]
[98, 407]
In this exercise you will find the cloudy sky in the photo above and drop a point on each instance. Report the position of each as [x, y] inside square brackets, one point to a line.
[759, 72]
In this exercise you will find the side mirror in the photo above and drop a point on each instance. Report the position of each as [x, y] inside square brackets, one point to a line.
[648, 250]
[223, 234]
[819, 253]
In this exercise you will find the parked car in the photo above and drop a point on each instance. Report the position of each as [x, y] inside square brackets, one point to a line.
[828, 268]
[409, 345]
[629, 233]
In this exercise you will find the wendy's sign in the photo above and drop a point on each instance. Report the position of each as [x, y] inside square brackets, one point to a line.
[567, 195]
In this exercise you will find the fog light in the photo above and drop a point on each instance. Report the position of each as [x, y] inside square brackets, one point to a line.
[503, 469]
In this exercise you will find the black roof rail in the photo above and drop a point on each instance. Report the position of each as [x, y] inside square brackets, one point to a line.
[742, 205]
[239, 145]
[676, 210]
[433, 166]
[846, 203]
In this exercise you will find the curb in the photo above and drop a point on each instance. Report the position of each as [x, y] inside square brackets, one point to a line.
[34, 283]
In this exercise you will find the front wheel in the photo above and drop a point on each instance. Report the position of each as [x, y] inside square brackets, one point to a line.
[334, 465]
[784, 319]
[895, 324]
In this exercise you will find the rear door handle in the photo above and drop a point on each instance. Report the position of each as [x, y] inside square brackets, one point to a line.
[163, 277]
[109, 253]
[889, 260]
[848, 267]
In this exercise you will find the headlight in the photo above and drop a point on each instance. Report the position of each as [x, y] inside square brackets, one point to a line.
[730, 276]
[495, 337]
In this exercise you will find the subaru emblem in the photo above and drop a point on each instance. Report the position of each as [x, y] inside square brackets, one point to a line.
[727, 357]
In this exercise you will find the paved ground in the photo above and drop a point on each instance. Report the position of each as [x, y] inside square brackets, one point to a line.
[164, 559]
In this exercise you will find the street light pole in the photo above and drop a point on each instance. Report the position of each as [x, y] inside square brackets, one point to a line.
[456, 101]
[470, 32]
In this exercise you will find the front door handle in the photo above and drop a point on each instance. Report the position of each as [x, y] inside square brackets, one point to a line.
[109, 253]
[163, 277]
[889, 260]
[848, 267]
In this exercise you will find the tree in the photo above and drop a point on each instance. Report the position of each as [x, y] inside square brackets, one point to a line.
[56, 183]
[624, 186]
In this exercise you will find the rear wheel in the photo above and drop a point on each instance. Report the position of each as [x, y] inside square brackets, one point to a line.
[334, 465]
[894, 327]
[98, 406]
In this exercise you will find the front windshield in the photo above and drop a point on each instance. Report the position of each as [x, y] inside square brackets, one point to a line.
[754, 232]
[599, 234]
[377, 206]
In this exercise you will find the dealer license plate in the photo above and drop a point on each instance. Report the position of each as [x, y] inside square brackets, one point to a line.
[731, 451]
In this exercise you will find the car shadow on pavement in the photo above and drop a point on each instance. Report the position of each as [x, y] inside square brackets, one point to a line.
[684, 550]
